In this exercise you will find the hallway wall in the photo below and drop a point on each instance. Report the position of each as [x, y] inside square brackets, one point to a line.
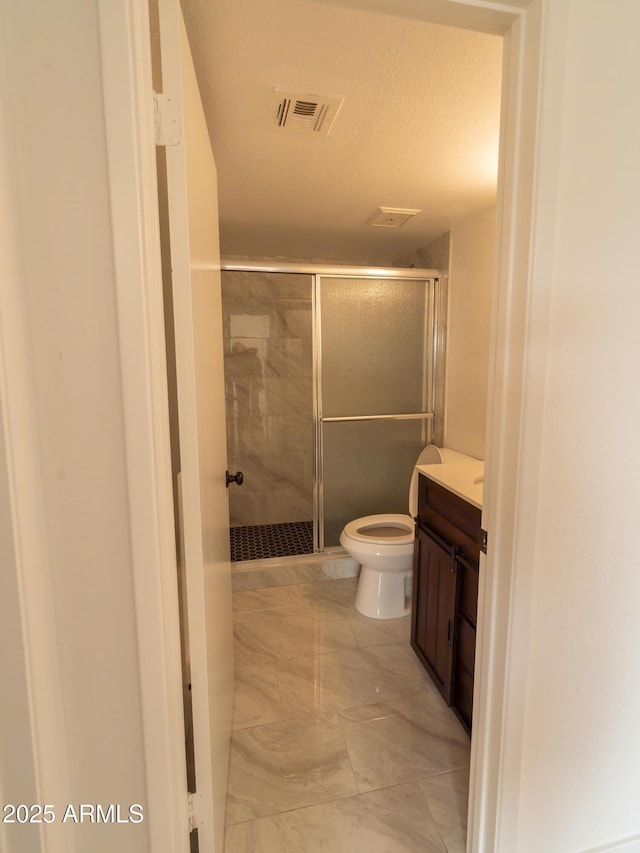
[578, 577]
[61, 205]
[17, 759]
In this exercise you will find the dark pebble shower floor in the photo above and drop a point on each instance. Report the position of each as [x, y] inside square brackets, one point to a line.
[263, 541]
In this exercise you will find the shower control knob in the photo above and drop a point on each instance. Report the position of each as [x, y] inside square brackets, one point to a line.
[236, 478]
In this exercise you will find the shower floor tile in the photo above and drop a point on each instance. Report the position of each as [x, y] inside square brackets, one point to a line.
[263, 541]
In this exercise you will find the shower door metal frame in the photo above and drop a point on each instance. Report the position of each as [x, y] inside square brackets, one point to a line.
[434, 353]
[433, 343]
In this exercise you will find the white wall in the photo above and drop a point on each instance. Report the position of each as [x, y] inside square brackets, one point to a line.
[471, 266]
[53, 99]
[580, 760]
[17, 774]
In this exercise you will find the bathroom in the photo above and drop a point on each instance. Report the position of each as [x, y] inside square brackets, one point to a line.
[290, 224]
[277, 207]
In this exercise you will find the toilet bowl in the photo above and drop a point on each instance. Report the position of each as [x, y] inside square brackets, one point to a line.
[383, 545]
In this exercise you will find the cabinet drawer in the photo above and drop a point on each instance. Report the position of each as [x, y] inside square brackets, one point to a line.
[466, 653]
[437, 505]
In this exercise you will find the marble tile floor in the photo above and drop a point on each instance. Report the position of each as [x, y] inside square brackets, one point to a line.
[340, 740]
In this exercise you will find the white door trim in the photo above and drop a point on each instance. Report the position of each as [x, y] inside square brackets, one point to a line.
[492, 682]
[129, 119]
[533, 85]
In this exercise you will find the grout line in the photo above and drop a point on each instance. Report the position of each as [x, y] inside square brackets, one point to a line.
[284, 718]
[435, 822]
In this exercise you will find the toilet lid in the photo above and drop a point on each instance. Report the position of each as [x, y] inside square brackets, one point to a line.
[382, 529]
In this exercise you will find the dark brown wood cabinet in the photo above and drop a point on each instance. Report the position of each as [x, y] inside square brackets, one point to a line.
[434, 580]
[445, 593]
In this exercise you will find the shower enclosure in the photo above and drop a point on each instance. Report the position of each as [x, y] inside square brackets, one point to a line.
[334, 379]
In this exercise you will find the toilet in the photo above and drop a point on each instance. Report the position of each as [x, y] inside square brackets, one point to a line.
[383, 545]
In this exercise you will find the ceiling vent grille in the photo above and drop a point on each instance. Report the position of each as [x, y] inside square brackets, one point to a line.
[392, 217]
[311, 113]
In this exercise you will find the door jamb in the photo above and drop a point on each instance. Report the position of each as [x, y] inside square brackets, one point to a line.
[130, 131]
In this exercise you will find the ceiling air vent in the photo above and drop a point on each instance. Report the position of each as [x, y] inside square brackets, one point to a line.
[313, 113]
[392, 217]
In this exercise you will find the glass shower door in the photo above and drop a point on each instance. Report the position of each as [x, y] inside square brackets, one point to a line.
[375, 394]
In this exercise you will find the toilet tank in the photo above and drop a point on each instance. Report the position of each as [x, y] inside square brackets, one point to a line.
[432, 455]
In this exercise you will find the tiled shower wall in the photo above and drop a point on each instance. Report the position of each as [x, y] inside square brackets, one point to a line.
[268, 378]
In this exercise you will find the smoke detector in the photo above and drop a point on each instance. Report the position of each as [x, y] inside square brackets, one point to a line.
[391, 217]
[311, 113]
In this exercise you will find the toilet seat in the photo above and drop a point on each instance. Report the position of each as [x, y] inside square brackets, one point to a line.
[387, 529]
[383, 546]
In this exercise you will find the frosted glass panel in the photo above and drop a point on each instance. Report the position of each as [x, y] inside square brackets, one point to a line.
[373, 346]
[367, 470]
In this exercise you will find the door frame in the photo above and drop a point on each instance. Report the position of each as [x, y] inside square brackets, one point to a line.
[130, 130]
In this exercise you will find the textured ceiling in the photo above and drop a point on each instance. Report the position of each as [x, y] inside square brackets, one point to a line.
[418, 127]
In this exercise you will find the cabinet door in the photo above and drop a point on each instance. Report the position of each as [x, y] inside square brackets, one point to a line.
[465, 641]
[433, 609]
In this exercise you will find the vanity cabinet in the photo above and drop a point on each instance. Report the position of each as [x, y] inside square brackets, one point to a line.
[445, 592]
[434, 581]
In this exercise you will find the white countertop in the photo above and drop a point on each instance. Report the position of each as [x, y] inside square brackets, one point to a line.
[463, 478]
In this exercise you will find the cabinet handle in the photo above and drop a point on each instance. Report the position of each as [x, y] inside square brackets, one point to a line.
[449, 632]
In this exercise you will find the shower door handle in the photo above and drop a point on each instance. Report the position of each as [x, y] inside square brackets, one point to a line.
[236, 478]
